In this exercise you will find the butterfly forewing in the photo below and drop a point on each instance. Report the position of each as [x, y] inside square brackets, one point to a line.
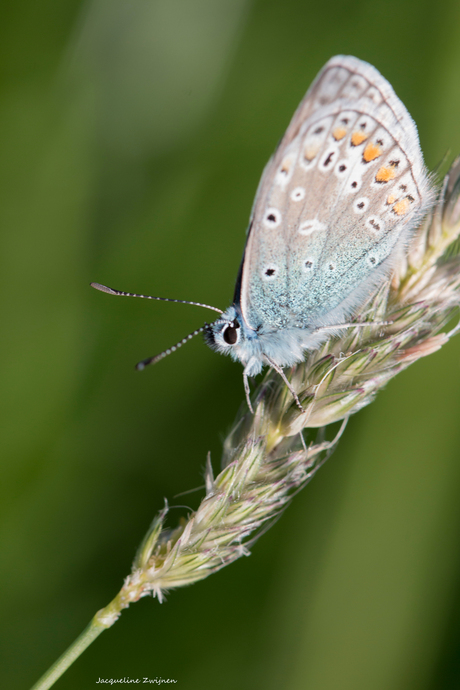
[336, 201]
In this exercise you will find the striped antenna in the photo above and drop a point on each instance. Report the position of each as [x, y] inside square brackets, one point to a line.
[111, 291]
[165, 353]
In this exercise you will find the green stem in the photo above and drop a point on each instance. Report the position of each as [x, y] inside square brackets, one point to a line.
[101, 621]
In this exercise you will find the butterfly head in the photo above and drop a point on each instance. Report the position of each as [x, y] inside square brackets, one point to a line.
[224, 335]
[254, 348]
[229, 335]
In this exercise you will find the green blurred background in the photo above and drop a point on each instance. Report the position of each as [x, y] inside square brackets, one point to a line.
[132, 137]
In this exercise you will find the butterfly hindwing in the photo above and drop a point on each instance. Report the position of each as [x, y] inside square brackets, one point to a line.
[336, 201]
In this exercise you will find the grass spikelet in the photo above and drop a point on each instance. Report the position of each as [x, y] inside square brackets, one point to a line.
[270, 455]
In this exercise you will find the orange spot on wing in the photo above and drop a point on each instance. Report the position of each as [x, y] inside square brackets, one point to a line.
[286, 167]
[357, 138]
[339, 133]
[400, 208]
[385, 174]
[391, 199]
[310, 151]
[371, 152]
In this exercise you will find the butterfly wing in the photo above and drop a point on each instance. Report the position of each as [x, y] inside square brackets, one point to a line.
[336, 202]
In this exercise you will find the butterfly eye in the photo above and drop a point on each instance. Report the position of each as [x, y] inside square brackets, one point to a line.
[230, 335]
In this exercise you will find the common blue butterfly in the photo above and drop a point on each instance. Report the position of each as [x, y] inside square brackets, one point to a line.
[336, 207]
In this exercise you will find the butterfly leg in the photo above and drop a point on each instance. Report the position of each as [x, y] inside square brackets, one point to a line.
[352, 325]
[280, 371]
[247, 391]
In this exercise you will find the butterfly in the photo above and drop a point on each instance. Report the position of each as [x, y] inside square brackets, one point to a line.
[336, 207]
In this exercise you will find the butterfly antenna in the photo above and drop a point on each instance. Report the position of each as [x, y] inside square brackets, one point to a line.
[111, 291]
[165, 353]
